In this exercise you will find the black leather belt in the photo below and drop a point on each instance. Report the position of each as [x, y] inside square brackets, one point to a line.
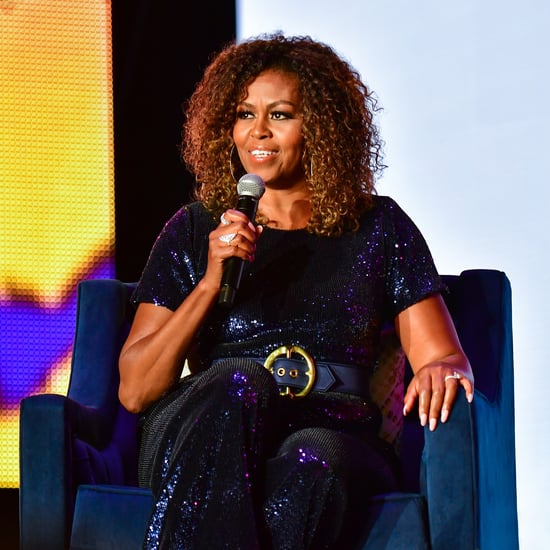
[296, 377]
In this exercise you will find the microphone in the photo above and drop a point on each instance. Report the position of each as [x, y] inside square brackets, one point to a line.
[250, 189]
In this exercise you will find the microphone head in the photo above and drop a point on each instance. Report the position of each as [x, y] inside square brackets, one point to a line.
[251, 185]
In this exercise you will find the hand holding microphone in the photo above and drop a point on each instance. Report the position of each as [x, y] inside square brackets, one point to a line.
[250, 189]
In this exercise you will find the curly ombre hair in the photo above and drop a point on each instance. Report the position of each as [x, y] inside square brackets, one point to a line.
[342, 147]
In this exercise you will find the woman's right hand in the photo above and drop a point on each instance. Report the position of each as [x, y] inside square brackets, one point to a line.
[235, 236]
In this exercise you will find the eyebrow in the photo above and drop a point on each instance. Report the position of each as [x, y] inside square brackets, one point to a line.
[270, 105]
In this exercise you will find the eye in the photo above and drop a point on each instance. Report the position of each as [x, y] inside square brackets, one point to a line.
[280, 115]
[244, 115]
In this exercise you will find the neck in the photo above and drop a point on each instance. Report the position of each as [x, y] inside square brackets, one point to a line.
[286, 209]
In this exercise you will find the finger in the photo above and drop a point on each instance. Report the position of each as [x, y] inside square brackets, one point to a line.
[451, 388]
[242, 247]
[239, 227]
[237, 235]
[468, 388]
[424, 401]
[236, 216]
[436, 402]
[227, 241]
[411, 396]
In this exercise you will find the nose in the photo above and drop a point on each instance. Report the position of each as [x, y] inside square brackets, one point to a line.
[261, 128]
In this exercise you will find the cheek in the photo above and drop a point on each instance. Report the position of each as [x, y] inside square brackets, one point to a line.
[235, 134]
[299, 140]
[298, 147]
[238, 133]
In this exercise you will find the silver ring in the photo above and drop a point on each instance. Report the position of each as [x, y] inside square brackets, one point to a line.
[223, 220]
[454, 376]
[227, 238]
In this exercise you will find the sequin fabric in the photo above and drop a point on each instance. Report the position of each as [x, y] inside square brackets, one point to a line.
[231, 463]
[330, 296]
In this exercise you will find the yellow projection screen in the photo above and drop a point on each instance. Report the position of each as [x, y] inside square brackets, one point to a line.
[56, 192]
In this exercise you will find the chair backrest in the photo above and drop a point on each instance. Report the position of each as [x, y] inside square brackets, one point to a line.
[104, 316]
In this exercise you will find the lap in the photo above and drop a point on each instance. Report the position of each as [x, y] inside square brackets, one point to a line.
[340, 428]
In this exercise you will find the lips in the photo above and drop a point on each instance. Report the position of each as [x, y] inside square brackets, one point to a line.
[260, 154]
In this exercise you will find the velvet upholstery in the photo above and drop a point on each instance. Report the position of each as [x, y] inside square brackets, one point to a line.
[78, 453]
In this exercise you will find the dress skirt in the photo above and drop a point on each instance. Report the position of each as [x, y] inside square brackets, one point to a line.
[233, 465]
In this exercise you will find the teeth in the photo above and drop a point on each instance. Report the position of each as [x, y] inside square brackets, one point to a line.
[262, 153]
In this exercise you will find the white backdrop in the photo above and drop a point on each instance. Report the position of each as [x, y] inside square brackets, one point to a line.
[465, 88]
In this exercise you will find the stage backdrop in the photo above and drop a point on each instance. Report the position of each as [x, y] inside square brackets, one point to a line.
[56, 191]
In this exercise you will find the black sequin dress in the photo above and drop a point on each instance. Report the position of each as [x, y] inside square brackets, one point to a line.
[231, 463]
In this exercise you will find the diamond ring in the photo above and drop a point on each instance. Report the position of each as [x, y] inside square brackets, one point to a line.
[454, 376]
[227, 238]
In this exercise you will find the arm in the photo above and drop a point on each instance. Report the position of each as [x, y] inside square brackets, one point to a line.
[153, 355]
[432, 346]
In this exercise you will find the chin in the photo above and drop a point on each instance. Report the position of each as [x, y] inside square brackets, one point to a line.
[267, 177]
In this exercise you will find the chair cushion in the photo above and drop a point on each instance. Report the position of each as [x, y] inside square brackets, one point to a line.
[110, 517]
[397, 521]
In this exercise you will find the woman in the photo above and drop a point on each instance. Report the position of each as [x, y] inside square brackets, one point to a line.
[232, 462]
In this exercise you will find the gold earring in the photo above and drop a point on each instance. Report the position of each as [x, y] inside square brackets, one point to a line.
[231, 163]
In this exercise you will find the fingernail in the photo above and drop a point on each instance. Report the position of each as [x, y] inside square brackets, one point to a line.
[470, 397]
[433, 423]
[423, 419]
[444, 415]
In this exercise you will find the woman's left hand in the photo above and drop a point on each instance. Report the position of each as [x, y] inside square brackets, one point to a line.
[435, 386]
[440, 367]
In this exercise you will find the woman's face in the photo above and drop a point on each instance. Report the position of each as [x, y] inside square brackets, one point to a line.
[268, 129]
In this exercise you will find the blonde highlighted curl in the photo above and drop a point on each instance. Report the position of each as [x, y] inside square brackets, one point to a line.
[343, 149]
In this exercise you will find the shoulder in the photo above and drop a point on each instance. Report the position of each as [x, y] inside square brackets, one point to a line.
[193, 212]
[394, 226]
[391, 212]
[189, 218]
[174, 264]
[385, 212]
[386, 205]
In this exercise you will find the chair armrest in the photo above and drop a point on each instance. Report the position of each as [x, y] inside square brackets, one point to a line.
[86, 437]
[62, 445]
[481, 304]
[46, 496]
[494, 423]
[496, 468]
[448, 480]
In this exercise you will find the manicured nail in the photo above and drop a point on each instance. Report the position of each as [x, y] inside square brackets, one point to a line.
[444, 415]
[423, 419]
[433, 424]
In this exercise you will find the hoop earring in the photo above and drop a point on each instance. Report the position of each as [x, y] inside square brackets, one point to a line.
[307, 163]
[231, 163]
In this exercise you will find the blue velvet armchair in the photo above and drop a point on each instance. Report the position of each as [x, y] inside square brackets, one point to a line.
[78, 453]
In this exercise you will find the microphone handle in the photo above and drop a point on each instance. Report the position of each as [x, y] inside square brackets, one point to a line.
[231, 281]
[234, 267]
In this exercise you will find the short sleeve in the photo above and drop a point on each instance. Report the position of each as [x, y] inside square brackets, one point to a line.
[171, 271]
[411, 274]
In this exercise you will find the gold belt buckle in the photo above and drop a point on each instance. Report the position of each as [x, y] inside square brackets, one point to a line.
[287, 351]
